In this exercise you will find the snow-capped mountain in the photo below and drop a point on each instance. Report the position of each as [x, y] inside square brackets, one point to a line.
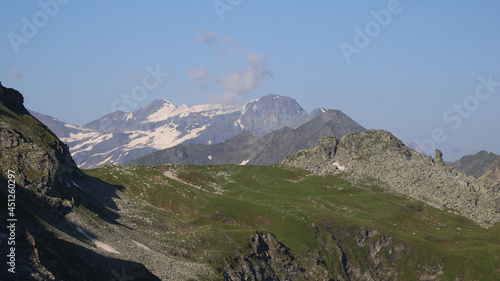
[120, 137]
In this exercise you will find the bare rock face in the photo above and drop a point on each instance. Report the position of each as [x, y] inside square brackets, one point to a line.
[439, 156]
[268, 259]
[12, 99]
[46, 197]
[377, 154]
[39, 160]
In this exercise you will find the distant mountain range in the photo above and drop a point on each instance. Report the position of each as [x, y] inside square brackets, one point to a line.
[246, 148]
[120, 137]
[477, 164]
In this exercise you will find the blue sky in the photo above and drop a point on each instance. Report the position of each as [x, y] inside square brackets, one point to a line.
[413, 70]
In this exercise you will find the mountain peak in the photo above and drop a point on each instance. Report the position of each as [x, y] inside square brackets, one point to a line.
[12, 99]
[477, 164]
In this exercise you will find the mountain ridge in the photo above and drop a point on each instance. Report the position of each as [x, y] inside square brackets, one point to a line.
[380, 155]
[245, 148]
[476, 165]
[120, 137]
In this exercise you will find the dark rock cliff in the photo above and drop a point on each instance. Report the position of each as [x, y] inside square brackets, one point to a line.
[46, 194]
[41, 162]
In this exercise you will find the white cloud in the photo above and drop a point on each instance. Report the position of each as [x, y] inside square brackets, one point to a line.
[234, 85]
[462, 148]
[18, 76]
[237, 83]
[222, 44]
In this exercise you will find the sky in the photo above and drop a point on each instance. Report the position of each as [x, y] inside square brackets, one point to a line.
[427, 71]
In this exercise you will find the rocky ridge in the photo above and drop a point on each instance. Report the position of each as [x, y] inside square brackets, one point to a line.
[247, 149]
[377, 154]
[477, 164]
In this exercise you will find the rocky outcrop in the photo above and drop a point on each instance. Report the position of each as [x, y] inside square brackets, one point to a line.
[493, 174]
[439, 156]
[40, 161]
[267, 259]
[12, 99]
[377, 154]
[343, 254]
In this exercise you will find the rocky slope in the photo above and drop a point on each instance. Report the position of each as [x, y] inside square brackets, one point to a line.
[379, 155]
[477, 164]
[246, 149]
[67, 224]
[275, 223]
[494, 173]
[269, 259]
[35, 155]
[120, 137]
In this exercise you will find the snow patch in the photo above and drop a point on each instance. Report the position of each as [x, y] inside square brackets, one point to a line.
[74, 183]
[71, 126]
[104, 161]
[340, 167]
[141, 245]
[209, 157]
[163, 113]
[99, 244]
[244, 162]
[80, 136]
[129, 116]
[238, 123]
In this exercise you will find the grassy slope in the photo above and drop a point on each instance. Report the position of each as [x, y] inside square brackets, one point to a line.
[204, 226]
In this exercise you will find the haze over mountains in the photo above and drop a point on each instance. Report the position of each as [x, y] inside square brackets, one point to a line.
[477, 164]
[120, 137]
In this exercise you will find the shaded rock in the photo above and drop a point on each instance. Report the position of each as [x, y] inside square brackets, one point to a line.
[12, 99]
[267, 259]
